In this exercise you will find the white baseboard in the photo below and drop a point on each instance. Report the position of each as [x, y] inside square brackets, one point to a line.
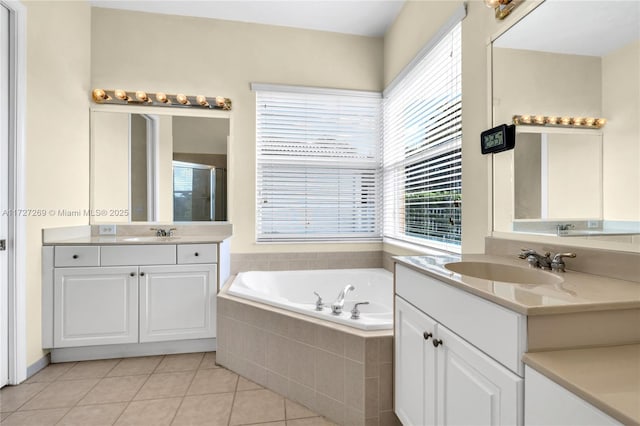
[133, 349]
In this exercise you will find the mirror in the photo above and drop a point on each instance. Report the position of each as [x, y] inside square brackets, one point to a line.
[148, 166]
[579, 59]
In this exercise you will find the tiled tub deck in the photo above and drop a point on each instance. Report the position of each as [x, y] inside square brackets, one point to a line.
[339, 372]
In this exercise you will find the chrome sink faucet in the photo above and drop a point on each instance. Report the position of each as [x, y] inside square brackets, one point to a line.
[163, 232]
[545, 262]
[338, 304]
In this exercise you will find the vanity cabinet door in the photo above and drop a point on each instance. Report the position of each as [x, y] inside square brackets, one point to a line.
[414, 365]
[472, 388]
[95, 306]
[177, 302]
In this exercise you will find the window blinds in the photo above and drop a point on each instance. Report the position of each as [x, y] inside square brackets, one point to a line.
[318, 165]
[422, 149]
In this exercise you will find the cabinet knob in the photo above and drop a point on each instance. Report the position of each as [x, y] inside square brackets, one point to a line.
[437, 342]
[196, 254]
[427, 335]
[142, 274]
[75, 256]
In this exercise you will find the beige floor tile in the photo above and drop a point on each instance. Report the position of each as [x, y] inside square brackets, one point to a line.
[297, 411]
[270, 424]
[215, 380]
[93, 415]
[35, 417]
[135, 366]
[60, 394]
[12, 397]
[209, 361]
[165, 385]
[180, 362]
[205, 410]
[51, 372]
[246, 384]
[311, 421]
[114, 389]
[156, 412]
[89, 369]
[257, 406]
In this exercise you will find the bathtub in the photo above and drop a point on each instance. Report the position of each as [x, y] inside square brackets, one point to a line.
[293, 291]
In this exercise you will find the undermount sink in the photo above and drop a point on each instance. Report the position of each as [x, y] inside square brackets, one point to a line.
[151, 239]
[504, 273]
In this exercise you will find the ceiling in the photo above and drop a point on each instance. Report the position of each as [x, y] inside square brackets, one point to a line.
[592, 28]
[360, 17]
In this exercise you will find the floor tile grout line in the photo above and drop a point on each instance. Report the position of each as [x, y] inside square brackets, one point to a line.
[195, 372]
[233, 400]
[32, 396]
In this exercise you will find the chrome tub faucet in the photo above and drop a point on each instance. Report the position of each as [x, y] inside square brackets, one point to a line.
[338, 304]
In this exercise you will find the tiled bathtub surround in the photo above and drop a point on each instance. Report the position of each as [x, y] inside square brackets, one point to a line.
[241, 262]
[341, 373]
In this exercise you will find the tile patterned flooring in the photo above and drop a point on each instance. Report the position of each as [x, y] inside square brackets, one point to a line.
[185, 389]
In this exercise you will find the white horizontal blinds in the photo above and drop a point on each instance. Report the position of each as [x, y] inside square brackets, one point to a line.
[318, 165]
[422, 149]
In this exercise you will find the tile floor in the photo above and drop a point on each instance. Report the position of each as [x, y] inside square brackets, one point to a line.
[157, 390]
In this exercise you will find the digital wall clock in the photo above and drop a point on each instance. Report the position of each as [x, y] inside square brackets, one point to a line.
[498, 139]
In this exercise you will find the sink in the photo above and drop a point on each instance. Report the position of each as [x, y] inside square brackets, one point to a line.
[152, 239]
[504, 273]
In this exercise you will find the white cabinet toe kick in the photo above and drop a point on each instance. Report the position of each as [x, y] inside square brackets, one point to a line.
[114, 301]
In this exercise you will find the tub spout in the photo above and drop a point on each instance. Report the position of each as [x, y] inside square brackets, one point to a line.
[338, 305]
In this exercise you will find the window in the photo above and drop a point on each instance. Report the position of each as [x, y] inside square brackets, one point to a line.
[423, 148]
[318, 164]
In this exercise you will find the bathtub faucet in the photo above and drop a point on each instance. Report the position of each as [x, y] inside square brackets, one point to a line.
[319, 304]
[336, 307]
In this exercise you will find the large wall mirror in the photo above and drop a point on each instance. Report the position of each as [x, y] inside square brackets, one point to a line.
[576, 59]
[158, 166]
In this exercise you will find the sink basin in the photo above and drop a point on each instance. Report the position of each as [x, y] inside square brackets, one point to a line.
[152, 239]
[503, 273]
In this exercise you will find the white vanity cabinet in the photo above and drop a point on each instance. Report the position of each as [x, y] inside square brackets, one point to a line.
[95, 306]
[548, 403]
[130, 295]
[447, 369]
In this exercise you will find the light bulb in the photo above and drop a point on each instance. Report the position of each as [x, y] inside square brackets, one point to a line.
[539, 119]
[141, 96]
[577, 121]
[601, 122]
[492, 3]
[202, 100]
[161, 97]
[99, 95]
[552, 120]
[182, 99]
[220, 101]
[589, 121]
[565, 121]
[120, 94]
[526, 119]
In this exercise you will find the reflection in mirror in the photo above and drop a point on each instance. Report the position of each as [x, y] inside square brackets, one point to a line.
[133, 167]
[562, 60]
[545, 188]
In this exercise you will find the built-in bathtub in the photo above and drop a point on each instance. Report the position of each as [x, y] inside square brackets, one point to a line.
[294, 291]
[269, 331]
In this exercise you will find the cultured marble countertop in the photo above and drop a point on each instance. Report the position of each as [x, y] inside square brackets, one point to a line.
[579, 292]
[607, 377]
[133, 239]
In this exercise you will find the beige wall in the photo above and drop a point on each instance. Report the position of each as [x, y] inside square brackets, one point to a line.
[199, 135]
[57, 133]
[621, 106]
[210, 57]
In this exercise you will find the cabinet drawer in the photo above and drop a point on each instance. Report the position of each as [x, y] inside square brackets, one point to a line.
[76, 256]
[197, 253]
[497, 331]
[138, 255]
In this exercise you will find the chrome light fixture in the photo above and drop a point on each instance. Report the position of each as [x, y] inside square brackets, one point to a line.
[552, 121]
[122, 97]
[502, 8]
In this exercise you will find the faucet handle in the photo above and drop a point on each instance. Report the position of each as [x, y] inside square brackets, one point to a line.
[355, 313]
[525, 252]
[170, 232]
[319, 304]
[557, 264]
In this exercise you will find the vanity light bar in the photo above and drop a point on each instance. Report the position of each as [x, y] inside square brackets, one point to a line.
[543, 120]
[121, 97]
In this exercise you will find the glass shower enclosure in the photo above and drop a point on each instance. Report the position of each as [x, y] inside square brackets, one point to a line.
[199, 192]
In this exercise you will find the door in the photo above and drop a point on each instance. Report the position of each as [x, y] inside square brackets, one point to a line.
[177, 302]
[414, 365]
[95, 306]
[4, 196]
[472, 388]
